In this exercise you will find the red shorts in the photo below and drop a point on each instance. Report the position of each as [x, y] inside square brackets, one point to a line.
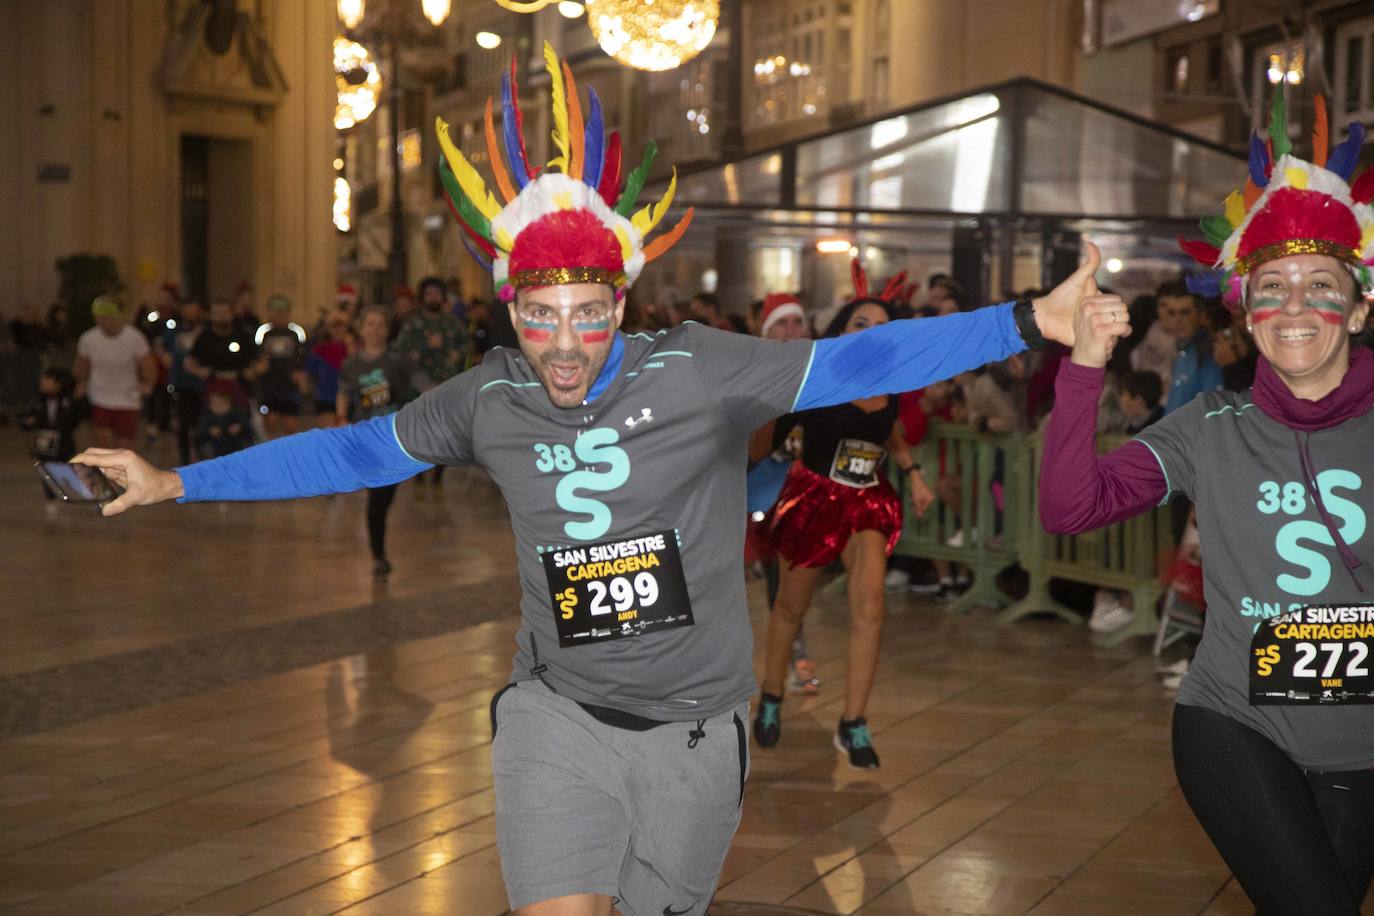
[123, 423]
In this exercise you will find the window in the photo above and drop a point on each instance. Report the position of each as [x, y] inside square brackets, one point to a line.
[1354, 83]
[1177, 72]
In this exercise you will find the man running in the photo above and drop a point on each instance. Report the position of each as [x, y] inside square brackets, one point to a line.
[620, 751]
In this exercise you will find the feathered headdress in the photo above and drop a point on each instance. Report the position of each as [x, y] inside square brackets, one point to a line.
[574, 223]
[1289, 206]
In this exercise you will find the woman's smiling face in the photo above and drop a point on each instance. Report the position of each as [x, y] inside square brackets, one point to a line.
[1302, 308]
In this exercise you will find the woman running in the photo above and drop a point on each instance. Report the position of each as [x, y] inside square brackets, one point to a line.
[1274, 728]
[373, 382]
[837, 504]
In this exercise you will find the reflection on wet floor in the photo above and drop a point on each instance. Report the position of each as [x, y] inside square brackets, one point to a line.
[253, 728]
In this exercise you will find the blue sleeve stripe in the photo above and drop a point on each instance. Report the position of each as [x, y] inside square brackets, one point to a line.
[906, 355]
[391, 419]
[1168, 488]
[810, 358]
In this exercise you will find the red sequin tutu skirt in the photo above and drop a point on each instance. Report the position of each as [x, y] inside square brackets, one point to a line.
[815, 516]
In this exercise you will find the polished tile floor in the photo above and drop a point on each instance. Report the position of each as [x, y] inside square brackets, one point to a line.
[213, 709]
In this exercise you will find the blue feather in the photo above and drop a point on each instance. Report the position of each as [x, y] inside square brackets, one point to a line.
[510, 131]
[1259, 161]
[1206, 284]
[477, 255]
[593, 156]
[1343, 158]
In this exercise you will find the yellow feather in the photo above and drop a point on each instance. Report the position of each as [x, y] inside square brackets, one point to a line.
[468, 179]
[1296, 177]
[560, 109]
[1235, 208]
[503, 240]
[650, 216]
[627, 248]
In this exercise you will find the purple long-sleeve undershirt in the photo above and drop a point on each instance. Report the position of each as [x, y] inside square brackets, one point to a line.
[1079, 490]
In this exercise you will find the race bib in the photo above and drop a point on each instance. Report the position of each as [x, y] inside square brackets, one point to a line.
[856, 463]
[617, 589]
[47, 443]
[279, 346]
[1315, 656]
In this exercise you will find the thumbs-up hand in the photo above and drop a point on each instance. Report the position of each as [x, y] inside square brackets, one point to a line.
[1055, 311]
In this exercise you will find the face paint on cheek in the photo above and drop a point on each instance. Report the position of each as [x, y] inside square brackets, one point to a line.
[1265, 308]
[594, 331]
[538, 331]
[1329, 312]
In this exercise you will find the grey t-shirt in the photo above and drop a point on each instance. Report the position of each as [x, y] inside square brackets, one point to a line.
[649, 474]
[376, 387]
[1265, 551]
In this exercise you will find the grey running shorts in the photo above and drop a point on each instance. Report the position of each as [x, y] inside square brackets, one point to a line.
[582, 807]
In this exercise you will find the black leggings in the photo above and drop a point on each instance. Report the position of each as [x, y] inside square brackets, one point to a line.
[188, 417]
[378, 502]
[1298, 841]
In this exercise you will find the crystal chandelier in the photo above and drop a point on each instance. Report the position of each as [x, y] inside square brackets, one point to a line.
[653, 34]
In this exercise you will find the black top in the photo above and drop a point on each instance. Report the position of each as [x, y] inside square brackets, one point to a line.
[845, 443]
[285, 356]
[225, 355]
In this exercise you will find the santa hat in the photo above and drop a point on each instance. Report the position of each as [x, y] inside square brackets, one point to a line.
[1289, 206]
[576, 222]
[777, 306]
[346, 290]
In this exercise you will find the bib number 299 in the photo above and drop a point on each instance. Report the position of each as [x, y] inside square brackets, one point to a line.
[625, 593]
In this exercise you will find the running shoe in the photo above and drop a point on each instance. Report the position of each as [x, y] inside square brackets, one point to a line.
[768, 723]
[804, 678]
[1109, 614]
[853, 738]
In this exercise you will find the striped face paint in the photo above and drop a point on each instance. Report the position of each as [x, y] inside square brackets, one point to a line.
[1331, 312]
[597, 331]
[537, 331]
[1265, 307]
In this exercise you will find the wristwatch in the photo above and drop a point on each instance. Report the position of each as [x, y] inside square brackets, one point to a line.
[1024, 313]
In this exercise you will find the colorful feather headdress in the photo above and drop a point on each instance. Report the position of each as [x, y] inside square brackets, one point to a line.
[574, 223]
[1289, 206]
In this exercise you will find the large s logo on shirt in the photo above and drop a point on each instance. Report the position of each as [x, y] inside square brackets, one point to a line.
[1292, 499]
[593, 447]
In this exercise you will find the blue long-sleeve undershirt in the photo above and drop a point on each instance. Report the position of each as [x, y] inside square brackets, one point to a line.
[899, 356]
[906, 355]
[313, 463]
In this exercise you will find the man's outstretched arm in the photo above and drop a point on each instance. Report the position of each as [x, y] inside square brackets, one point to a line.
[906, 355]
[313, 463]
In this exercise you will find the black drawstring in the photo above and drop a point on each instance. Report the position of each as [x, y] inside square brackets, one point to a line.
[696, 734]
[538, 669]
[1309, 479]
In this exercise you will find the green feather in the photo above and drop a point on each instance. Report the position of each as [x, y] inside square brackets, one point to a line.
[1217, 229]
[471, 215]
[635, 183]
[1278, 124]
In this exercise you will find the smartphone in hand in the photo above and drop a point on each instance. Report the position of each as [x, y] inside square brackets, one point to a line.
[77, 483]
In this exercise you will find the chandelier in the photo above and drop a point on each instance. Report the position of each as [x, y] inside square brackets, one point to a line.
[358, 82]
[644, 34]
[653, 34]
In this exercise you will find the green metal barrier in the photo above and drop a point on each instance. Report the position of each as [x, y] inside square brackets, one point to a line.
[1124, 556]
[969, 533]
